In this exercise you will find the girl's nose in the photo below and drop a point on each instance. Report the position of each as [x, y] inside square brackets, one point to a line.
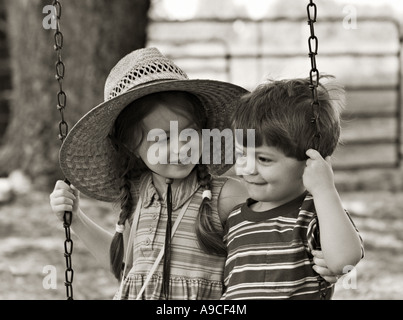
[174, 146]
[184, 152]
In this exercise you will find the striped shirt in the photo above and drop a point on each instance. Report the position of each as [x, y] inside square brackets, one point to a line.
[269, 252]
[195, 275]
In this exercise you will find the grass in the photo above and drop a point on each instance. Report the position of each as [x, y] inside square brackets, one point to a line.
[31, 238]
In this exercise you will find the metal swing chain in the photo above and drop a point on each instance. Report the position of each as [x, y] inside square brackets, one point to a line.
[314, 83]
[314, 72]
[63, 130]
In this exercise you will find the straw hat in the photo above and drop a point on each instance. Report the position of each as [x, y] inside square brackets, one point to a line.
[87, 154]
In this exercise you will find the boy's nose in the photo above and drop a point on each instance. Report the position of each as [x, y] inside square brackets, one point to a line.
[250, 170]
[245, 166]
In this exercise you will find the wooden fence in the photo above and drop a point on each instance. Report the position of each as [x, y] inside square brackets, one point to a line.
[366, 60]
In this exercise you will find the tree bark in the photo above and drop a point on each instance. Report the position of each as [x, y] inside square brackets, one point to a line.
[96, 34]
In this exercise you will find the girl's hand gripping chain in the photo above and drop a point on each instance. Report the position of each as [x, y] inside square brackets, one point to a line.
[64, 198]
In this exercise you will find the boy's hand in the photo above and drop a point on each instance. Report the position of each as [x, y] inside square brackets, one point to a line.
[320, 267]
[318, 173]
[64, 198]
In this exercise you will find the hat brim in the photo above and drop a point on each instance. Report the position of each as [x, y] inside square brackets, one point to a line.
[87, 155]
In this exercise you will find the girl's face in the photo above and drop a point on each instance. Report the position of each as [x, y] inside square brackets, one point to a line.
[161, 149]
[269, 175]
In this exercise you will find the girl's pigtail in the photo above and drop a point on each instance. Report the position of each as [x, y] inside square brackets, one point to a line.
[116, 252]
[210, 239]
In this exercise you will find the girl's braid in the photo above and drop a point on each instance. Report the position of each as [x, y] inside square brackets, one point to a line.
[210, 239]
[116, 252]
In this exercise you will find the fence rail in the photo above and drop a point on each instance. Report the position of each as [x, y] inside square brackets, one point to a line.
[367, 61]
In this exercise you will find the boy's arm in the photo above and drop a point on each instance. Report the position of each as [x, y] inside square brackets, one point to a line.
[340, 242]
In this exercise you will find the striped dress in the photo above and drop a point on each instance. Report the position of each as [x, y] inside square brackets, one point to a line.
[195, 275]
[269, 253]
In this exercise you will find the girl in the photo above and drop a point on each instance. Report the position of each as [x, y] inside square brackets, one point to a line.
[168, 239]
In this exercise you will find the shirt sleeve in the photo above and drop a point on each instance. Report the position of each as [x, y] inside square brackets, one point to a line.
[313, 234]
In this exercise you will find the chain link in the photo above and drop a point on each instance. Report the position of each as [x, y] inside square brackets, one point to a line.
[60, 69]
[314, 83]
[314, 72]
[63, 130]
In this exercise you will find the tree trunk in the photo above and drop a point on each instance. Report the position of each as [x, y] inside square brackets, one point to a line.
[96, 34]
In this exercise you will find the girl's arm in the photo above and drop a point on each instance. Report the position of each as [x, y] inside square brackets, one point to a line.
[340, 242]
[96, 239]
[232, 194]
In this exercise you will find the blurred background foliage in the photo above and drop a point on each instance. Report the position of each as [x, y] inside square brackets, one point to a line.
[96, 35]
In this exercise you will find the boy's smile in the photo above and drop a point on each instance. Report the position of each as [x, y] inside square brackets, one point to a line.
[254, 182]
[274, 178]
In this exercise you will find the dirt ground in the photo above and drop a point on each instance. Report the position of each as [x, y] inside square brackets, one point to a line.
[31, 250]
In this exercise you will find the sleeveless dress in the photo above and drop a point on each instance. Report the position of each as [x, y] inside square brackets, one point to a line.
[195, 275]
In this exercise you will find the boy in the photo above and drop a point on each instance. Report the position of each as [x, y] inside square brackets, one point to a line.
[270, 238]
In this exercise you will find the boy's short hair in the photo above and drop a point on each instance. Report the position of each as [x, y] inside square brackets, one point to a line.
[281, 112]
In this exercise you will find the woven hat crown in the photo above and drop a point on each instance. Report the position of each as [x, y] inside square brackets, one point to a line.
[140, 67]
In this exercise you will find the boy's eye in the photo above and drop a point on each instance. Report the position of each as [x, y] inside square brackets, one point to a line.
[264, 160]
